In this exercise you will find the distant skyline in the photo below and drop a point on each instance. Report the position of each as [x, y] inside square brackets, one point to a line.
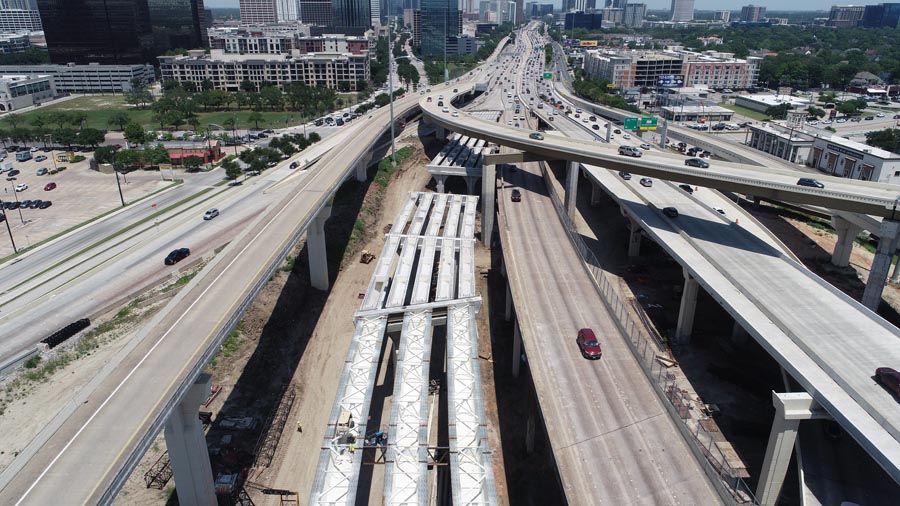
[702, 5]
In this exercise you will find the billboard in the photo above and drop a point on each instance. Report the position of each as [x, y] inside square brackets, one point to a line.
[671, 81]
[588, 43]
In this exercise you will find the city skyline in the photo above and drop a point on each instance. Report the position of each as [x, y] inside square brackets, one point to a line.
[702, 5]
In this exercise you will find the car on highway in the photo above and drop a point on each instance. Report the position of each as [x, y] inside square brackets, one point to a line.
[697, 162]
[177, 255]
[645, 146]
[671, 212]
[626, 136]
[210, 214]
[455, 114]
[49, 186]
[880, 115]
[719, 210]
[536, 136]
[595, 126]
[630, 151]
[869, 118]
[646, 181]
[889, 378]
[445, 110]
[617, 131]
[515, 196]
[588, 344]
[808, 181]
[624, 175]
[687, 188]
[294, 165]
[21, 187]
[43, 171]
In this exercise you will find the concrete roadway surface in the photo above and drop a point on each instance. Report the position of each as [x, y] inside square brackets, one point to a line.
[92, 269]
[89, 448]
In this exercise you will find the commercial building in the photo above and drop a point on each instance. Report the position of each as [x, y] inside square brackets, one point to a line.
[723, 16]
[843, 16]
[586, 20]
[881, 16]
[632, 69]
[91, 78]
[682, 10]
[691, 113]
[19, 91]
[19, 16]
[120, 31]
[351, 16]
[760, 103]
[788, 144]
[837, 156]
[462, 44]
[753, 13]
[316, 12]
[258, 11]
[10, 44]
[634, 15]
[336, 43]
[439, 20]
[209, 151]
[719, 70]
[252, 43]
[339, 71]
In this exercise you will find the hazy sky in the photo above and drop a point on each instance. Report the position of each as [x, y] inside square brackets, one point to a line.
[797, 5]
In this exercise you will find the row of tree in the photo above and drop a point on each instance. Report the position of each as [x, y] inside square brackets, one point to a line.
[56, 128]
[595, 90]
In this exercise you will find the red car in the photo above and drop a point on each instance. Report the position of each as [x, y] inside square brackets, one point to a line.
[49, 186]
[889, 378]
[588, 344]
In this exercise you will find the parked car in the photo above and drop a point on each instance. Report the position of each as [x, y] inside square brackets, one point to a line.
[687, 188]
[45, 204]
[13, 172]
[40, 158]
[646, 181]
[49, 186]
[671, 212]
[516, 196]
[43, 171]
[808, 181]
[697, 162]
[869, 118]
[624, 175]
[889, 378]
[177, 255]
[35, 204]
[588, 344]
[210, 214]
[855, 119]
[25, 204]
[630, 151]
[21, 187]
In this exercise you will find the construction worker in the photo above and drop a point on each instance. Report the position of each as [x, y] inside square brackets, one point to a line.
[299, 427]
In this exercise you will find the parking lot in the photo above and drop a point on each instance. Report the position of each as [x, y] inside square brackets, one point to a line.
[80, 194]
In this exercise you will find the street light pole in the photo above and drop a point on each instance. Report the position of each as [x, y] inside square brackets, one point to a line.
[8, 229]
[391, 87]
[446, 70]
[118, 184]
[16, 196]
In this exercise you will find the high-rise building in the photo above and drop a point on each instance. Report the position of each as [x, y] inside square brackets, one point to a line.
[843, 16]
[287, 10]
[585, 5]
[375, 11]
[616, 4]
[254, 12]
[682, 10]
[724, 16]
[316, 12]
[634, 15]
[351, 17]
[752, 13]
[177, 24]
[19, 16]
[101, 31]
[881, 16]
[440, 19]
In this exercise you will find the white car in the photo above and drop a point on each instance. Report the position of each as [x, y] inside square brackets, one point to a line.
[21, 187]
[455, 114]
[34, 149]
[445, 110]
[880, 115]
[210, 214]
[626, 136]
[645, 146]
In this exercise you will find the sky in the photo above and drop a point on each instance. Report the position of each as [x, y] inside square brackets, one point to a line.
[710, 5]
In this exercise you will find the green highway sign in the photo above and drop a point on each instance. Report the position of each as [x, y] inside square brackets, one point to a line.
[649, 123]
[548, 75]
[631, 123]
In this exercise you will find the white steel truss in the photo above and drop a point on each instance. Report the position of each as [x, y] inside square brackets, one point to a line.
[406, 470]
[472, 473]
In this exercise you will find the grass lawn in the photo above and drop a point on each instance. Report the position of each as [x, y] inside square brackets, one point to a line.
[100, 107]
[750, 113]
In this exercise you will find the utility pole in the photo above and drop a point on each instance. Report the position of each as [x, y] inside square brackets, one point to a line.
[391, 87]
[8, 229]
[446, 70]
[16, 195]
[121, 197]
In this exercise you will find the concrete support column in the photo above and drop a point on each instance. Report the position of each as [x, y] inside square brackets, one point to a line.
[507, 314]
[471, 181]
[634, 239]
[315, 244]
[488, 196]
[440, 133]
[517, 350]
[440, 180]
[608, 130]
[188, 453]
[895, 277]
[571, 186]
[790, 409]
[595, 193]
[688, 309]
[843, 247]
[663, 135]
[881, 265]
[361, 168]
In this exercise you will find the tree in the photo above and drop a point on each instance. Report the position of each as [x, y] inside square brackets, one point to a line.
[39, 120]
[888, 139]
[815, 111]
[129, 158]
[192, 163]
[778, 111]
[105, 154]
[12, 121]
[119, 118]
[58, 118]
[135, 133]
[157, 154]
[91, 137]
[272, 97]
[247, 86]
[314, 137]
[255, 117]
[78, 119]
[232, 169]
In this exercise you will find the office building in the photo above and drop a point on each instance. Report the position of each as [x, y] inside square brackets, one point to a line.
[723, 16]
[440, 20]
[616, 4]
[631, 69]
[462, 44]
[251, 43]
[585, 5]
[10, 44]
[92, 78]
[682, 10]
[332, 43]
[510, 12]
[177, 24]
[316, 12]
[753, 14]
[338, 71]
[255, 12]
[531, 9]
[634, 15]
[881, 16]
[612, 15]
[287, 10]
[588, 21]
[717, 70]
[417, 28]
[351, 16]
[19, 91]
[19, 16]
[843, 16]
[545, 10]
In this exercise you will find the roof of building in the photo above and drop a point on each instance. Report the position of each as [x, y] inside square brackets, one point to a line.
[860, 146]
[775, 99]
[222, 56]
[700, 109]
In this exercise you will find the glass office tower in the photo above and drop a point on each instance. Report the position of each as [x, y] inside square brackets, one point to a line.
[351, 17]
[440, 19]
[177, 24]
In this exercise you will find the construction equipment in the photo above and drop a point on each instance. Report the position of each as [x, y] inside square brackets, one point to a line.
[366, 257]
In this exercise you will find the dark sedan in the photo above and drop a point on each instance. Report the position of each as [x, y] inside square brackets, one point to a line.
[808, 181]
[697, 162]
[177, 256]
[516, 196]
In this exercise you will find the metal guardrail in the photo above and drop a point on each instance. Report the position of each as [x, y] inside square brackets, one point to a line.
[731, 487]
